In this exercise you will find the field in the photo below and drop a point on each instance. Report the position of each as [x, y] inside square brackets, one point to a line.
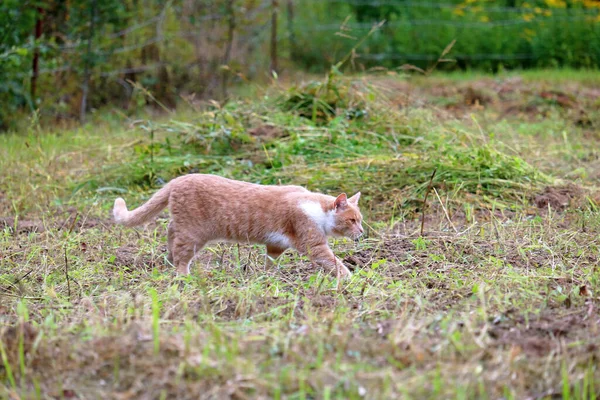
[494, 294]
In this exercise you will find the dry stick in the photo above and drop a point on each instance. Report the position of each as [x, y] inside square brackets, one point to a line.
[73, 223]
[445, 211]
[67, 274]
[22, 277]
[338, 272]
[425, 200]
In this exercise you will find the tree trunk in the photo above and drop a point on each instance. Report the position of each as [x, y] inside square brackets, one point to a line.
[228, 47]
[36, 54]
[291, 32]
[274, 38]
[86, 74]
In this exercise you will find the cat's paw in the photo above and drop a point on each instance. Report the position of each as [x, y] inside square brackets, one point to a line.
[342, 271]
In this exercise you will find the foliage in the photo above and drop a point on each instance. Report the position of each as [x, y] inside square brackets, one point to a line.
[489, 35]
[16, 48]
[182, 47]
[322, 101]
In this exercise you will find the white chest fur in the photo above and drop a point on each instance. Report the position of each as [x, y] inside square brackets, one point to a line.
[279, 240]
[325, 220]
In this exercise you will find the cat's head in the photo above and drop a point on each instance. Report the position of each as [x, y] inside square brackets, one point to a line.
[348, 219]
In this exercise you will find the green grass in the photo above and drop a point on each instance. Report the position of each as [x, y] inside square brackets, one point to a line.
[497, 299]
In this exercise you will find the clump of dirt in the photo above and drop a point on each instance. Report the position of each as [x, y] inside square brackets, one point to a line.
[476, 97]
[266, 131]
[541, 335]
[358, 260]
[557, 97]
[131, 258]
[560, 197]
[583, 119]
[22, 226]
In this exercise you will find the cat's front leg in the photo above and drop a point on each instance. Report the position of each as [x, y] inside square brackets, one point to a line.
[324, 257]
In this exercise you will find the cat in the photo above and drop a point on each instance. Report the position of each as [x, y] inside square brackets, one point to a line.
[207, 208]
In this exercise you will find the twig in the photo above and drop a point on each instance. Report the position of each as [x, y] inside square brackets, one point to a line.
[20, 297]
[22, 277]
[337, 272]
[445, 211]
[73, 223]
[67, 274]
[425, 200]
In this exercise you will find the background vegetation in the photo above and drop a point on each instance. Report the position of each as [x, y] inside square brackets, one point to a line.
[61, 57]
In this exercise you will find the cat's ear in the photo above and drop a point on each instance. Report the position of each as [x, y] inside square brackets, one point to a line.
[354, 199]
[340, 202]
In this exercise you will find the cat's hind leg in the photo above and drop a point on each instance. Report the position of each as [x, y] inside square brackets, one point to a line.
[170, 238]
[184, 251]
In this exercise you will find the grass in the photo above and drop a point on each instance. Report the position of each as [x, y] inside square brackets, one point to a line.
[498, 299]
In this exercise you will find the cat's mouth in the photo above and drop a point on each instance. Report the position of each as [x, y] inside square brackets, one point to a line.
[357, 237]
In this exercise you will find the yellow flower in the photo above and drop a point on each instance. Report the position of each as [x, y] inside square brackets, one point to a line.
[528, 34]
[484, 18]
[556, 3]
[458, 11]
[537, 10]
[528, 17]
[547, 13]
[591, 4]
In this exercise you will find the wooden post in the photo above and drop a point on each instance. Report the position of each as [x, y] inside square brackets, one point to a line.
[86, 73]
[36, 53]
[230, 32]
[274, 36]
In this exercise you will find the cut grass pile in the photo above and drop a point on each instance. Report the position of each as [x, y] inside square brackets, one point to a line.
[499, 298]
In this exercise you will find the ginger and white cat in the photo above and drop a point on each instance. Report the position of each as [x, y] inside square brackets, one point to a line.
[208, 208]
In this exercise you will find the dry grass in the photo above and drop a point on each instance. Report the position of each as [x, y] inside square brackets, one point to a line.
[498, 300]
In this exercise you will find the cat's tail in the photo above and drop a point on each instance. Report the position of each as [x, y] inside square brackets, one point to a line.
[145, 212]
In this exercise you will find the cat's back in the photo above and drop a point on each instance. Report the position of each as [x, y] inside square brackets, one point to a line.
[217, 184]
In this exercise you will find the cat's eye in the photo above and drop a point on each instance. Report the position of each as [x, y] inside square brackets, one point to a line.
[352, 221]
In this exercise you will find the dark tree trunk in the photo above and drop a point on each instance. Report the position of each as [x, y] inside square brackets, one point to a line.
[36, 53]
[228, 48]
[274, 37]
